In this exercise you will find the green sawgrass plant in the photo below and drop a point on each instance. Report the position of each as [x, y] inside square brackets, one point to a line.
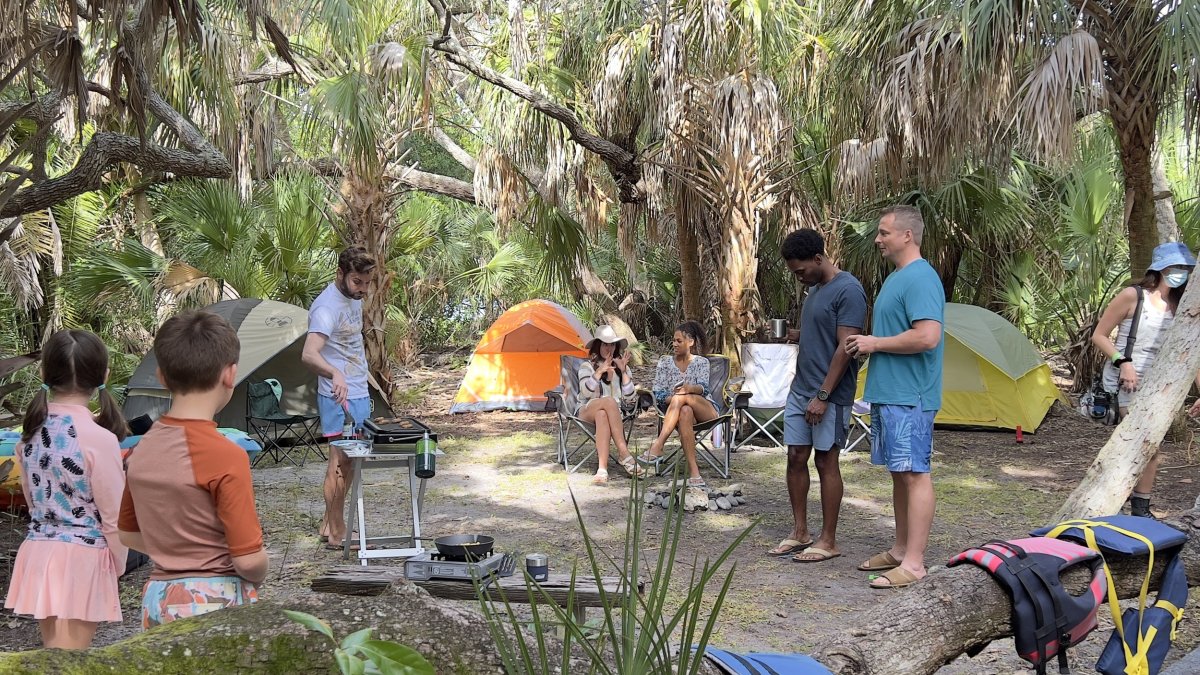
[638, 632]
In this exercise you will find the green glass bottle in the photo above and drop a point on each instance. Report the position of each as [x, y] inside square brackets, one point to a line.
[426, 460]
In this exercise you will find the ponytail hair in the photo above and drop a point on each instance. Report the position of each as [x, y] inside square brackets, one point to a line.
[74, 362]
[694, 330]
[110, 416]
[35, 414]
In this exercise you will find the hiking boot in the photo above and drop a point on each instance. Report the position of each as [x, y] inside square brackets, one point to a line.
[1140, 507]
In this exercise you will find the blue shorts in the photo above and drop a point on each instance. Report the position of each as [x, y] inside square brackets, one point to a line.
[333, 416]
[823, 436]
[902, 437]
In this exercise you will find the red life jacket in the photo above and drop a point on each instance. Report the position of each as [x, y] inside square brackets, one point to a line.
[1046, 619]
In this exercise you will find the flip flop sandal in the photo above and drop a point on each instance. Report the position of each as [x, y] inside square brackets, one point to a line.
[879, 562]
[815, 555]
[649, 459]
[789, 547]
[600, 478]
[897, 577]
[696, 483]
[631, 467]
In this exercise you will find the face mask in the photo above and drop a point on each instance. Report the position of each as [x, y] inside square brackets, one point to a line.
[1175, 278]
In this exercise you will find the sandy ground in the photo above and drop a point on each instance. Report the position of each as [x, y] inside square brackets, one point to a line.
[499, 477]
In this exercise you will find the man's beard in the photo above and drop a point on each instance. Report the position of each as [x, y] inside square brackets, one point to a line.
[344, 290]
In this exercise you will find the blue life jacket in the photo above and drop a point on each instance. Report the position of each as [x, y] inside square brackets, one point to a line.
[1046, 618]
[1142, 637]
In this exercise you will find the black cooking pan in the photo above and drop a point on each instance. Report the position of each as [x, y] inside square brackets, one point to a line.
[465, 546]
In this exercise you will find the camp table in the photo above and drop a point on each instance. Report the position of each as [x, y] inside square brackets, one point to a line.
[384, 456]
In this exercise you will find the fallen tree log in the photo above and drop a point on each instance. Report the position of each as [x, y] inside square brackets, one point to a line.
[261, 638]
[454, 638]
[931, 624]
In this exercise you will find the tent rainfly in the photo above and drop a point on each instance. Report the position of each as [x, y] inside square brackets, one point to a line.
[272, 338]
[517, 360]
[992, 376]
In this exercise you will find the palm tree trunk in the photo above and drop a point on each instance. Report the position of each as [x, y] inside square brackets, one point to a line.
[689, 266]
[948, 269]
[366, 211]
[741, 308]
[1133, 104]
[1164, 202]
[1136, 163]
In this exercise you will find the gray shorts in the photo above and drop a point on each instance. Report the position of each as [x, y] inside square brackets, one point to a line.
[824, 435]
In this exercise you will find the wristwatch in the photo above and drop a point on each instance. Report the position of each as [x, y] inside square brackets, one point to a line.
[822, 395]
[1121, 361]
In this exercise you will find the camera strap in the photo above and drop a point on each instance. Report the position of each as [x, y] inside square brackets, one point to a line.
[1133, 324]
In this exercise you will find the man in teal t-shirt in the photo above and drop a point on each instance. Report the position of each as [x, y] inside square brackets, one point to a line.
[904, 388]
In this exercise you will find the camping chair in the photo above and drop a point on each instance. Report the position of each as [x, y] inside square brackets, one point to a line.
[860, 426]
[768, 369]
[727, 404]
[266, 422]
[564, 398]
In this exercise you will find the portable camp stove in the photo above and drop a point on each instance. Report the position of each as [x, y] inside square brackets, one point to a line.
[432, 565]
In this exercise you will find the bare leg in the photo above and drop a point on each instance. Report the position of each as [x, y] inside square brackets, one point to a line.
[66, 633]
[605, 414]
[669, 422]
[603, 432]
[798, 481]
[830, 472]
[687, 438]
[1145, 484]
[697, 409]
[900, 507]
[617, 428]
[337, 483]
[918, 488]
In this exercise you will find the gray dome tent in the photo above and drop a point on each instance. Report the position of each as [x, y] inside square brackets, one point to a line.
[272, 336]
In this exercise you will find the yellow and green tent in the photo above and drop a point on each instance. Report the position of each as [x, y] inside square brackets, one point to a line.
[992, 375]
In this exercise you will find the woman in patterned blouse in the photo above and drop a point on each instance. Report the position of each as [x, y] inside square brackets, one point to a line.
[681, 392]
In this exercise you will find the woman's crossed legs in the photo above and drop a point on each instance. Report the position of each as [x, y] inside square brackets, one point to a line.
[684, 411]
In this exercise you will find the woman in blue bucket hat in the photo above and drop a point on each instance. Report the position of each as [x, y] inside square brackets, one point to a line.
[1160, 291]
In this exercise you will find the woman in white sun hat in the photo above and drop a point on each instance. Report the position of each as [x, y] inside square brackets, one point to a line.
[605, 387]
[1160, 291]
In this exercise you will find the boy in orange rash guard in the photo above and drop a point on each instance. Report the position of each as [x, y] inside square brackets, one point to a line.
[189, 500]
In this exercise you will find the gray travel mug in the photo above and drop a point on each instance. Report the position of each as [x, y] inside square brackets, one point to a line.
[779, 328]
[538, 566]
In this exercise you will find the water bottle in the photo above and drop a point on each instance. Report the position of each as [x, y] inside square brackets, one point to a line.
[426, 460]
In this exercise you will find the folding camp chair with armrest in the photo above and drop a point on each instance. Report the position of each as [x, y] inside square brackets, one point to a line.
[267, 423]
[564, 399]
[769, 370]
[860, 426]
[727, 403]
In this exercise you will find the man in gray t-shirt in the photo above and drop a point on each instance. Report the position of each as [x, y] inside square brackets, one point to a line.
[817, 415]
[334, 351]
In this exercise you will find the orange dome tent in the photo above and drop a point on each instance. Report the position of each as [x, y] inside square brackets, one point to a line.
[517, 360]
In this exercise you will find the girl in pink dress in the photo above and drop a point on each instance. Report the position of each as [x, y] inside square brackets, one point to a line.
[65, 575]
